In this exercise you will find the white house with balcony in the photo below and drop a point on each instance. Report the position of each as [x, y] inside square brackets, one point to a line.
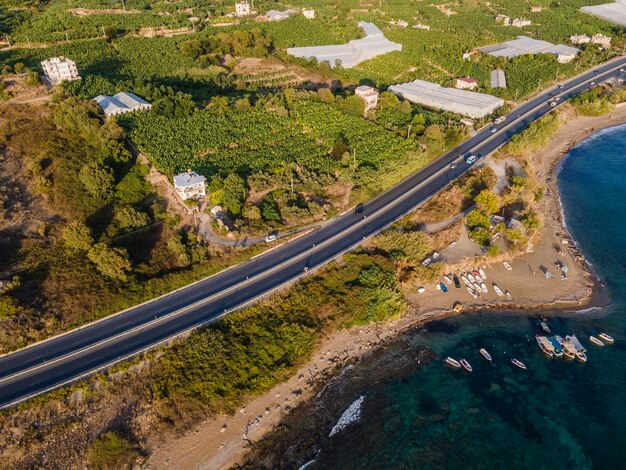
[190, 185]
[367, 94]
[242, 9]
[58, 69]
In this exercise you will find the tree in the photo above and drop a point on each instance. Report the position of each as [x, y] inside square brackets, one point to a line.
[269, 209]
[235, 193]
[112, 262]
[352, 105]
[252, 213]
[434, 132]
[477, 219]
[98, 179]
[405, 107]
[388, 100]
[487, 202]
[127, 217]
[77, 236]
[326, 96]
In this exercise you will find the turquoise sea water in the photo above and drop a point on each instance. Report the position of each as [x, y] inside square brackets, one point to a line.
[557, 414]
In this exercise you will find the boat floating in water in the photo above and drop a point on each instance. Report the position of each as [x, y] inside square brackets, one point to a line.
[572, 339]
[596, 341]
[606, 338]
[568, 348]
[452, 362]
[519, 363]
[545, 345]
[558, 349]
[544, 327]
[466, 365]
[497, 289]
[485, 354]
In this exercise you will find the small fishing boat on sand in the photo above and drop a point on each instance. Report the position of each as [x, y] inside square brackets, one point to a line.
[471, 278]
[485, 354]
[443, 287]
[606, 338]
[466, 282]
[508, 295]
[447, 279]
[457, 284]
[483, 288]
[466, 365]
[497, 289]
[452, 362]
[518, 363]
[482, 273]
[596, 341]
[472, 292]
[507, 266]
[479, 279]
[477, 288]
[545, 345]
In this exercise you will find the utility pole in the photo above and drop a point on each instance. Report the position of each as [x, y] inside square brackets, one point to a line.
[66, 37]
[8, 40]
[28, 41]
[123, 5]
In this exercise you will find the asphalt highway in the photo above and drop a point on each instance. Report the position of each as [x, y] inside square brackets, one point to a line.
[68, 357]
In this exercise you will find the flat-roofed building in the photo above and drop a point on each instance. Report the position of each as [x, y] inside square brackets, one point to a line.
[498, 79]
[369, 95]
[604, 41]
[468, 103]
[275, 15]
[58, 69]
[242, 9]
[121, 103]
[190, 185]
[309, 13]
[580, 39]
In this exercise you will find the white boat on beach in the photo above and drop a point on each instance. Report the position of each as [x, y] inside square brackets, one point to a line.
[479, 279]
[466, 281]
[447, 279]
[453, 362]
[606, 338]
[508, 295]
[477, 288]
[471, 278]
[507, 266]
[596, 341]
[482, 273]
[483, 287]
[519, 363]
[497, 289]
[472, 292]
[466, 365]
[485, 354]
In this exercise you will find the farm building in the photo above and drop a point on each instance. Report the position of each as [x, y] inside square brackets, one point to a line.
[242, 9]
[275, 15]
[367, 94]
[469, 103]
[356, 51]
[524, 45]
[309, 14]
[121, 103]
[498, 79]
[466, 83]
[58, 69]
[612, 12]
[190, 185]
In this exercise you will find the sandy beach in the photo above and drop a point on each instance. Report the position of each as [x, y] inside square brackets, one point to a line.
[224, 440]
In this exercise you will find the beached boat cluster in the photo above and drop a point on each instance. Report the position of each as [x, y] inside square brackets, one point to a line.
[475, 282]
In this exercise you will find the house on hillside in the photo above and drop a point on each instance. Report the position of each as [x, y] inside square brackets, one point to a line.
[121, 103]
[580, 39]
[190, 185]
[309, 14]
[369, 95]
[58, 69]
[466, 83]
[601, 39]
[242, 9]
[520, 22]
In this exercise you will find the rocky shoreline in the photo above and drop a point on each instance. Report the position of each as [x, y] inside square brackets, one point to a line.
[250, 434]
